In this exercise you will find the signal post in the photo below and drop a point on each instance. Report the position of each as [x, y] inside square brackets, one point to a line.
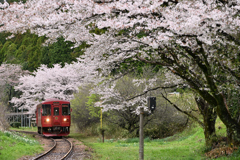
[151, 103]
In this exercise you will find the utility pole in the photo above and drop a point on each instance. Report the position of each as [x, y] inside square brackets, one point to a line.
[151, 103]
[141, 139]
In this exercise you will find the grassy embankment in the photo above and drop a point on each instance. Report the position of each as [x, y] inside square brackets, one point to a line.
[31, 129]
[188, 145]
[15, 145]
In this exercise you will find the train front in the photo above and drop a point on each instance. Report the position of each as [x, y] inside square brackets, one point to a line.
[56, 118]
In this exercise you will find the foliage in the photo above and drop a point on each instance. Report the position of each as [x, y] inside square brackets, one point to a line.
[82, 116]
[27, 49]
[15, 124]
[21, 49]
[102, 130]
[163, 130]
[98, 31]
[93, 111]
[57, 53]
[11, 1]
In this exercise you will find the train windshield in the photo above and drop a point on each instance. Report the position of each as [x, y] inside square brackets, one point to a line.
[46, 109]
[65, 109]
[56, 111]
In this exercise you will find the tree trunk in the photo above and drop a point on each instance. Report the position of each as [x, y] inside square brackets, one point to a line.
[209, 120]
[233, 128]
[209, 127]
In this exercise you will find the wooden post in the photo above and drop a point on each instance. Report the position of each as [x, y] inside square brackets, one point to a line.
[141, 139]
[103, 136]
[101, 118]
[102, 130]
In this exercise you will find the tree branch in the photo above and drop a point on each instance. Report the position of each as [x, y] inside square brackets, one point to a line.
[152, 89]
[152, 62]
[184, 112]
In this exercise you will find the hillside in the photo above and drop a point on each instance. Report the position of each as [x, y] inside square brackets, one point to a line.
[28, 50]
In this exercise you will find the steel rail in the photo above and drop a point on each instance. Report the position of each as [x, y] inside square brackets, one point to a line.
[70, 150]
[54, 146]
[55, 143]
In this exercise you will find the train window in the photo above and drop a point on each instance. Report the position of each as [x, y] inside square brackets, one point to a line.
[56, 111]
[46, 109]
[65, 109]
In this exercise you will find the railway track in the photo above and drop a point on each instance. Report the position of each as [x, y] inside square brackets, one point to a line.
[60, 150]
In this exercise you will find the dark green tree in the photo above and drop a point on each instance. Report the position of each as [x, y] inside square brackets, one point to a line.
[58, 52]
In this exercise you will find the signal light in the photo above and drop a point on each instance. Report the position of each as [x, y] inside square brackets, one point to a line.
[151, 103]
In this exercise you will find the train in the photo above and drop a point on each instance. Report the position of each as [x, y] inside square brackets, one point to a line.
[53, 117]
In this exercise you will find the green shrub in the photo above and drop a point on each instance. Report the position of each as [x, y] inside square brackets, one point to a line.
[132, 140]
[136, 140]
[102, 130]
[158, 131]
[15, 124]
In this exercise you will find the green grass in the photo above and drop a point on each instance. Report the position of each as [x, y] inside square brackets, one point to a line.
[186, 146]
[15, 145]
[32, 129]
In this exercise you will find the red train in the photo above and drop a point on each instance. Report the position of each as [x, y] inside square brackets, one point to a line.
[53, 117]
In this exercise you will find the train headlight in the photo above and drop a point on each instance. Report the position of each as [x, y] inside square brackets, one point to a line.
[48, 120]
[65, 119]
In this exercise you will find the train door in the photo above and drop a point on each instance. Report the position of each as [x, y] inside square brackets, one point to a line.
[39, 118]
[56, 115]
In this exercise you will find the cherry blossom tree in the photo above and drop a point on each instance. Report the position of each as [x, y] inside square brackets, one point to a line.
[57, 82]
[128, 93]
[196, 40]
[10, 74]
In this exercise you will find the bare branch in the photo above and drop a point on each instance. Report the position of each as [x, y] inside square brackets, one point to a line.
[152, 62]
[184, 112]
[152, 89]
